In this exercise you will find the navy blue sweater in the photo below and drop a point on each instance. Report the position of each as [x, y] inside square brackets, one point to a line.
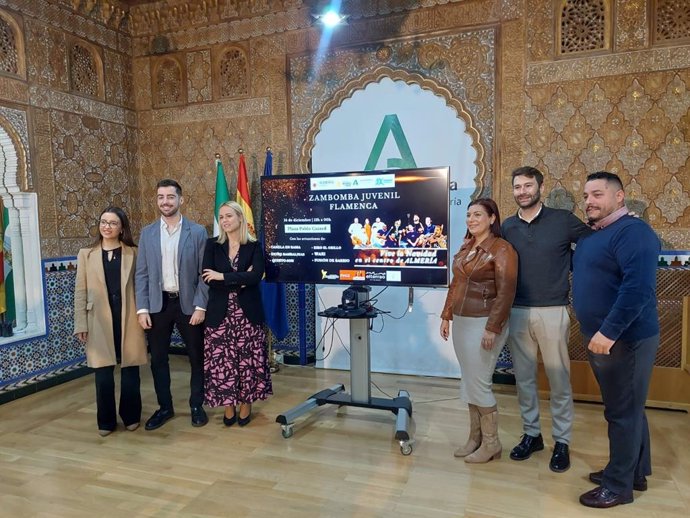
[614, 281]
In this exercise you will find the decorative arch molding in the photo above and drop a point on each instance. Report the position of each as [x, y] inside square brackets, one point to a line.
[349, 89]
[24, 239]
[14, 177]
[18, 36]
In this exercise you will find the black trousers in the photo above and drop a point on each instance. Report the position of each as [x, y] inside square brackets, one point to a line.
[130, 396]
[159, 335]
[623, 377]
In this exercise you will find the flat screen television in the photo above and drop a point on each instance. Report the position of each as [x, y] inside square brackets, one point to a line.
[372, 228]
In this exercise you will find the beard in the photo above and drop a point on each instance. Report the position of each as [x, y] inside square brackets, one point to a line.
[529, 202]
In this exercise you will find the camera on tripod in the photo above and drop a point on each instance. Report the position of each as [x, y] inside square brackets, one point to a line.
[355, 297]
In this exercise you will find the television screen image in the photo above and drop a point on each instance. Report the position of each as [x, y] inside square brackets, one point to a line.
[374, 227]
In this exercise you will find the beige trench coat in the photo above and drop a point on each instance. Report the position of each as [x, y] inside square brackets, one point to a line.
[92, 310]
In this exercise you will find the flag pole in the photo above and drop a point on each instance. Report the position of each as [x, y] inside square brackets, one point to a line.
[273, 365]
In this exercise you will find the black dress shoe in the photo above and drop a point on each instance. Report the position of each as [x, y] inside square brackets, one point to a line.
[560, 459]
[229, 421]
[199, 417]
[159, 418]
[528, 445]
[244, 421]
[601, 498]
[639, 484]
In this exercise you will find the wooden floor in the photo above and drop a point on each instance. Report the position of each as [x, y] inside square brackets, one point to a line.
[339, 462]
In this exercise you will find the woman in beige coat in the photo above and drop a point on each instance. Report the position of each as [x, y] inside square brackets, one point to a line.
[105, 319]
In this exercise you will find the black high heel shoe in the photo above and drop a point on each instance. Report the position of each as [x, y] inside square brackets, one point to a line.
[244, 421]
[229, 421]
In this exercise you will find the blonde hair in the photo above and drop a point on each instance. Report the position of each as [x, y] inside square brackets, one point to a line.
[245, 236]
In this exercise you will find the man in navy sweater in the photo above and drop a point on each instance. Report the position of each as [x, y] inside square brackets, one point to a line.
[614, 296]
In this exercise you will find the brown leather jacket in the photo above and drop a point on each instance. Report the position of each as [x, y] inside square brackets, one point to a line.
[484, 281]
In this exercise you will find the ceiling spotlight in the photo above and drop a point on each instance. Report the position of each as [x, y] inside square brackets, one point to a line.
[331, 18]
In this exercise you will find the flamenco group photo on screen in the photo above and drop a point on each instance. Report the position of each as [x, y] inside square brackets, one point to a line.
[375, 233]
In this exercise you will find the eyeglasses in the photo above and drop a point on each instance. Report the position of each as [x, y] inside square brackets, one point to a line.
[109, 224]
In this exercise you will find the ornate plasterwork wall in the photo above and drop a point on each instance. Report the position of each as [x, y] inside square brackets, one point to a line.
[626, 110]
[459, 67]
[78, 107]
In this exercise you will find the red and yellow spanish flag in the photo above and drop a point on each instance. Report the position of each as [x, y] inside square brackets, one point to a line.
[243, 195]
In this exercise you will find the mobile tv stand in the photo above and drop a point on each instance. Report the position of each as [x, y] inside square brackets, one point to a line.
[360, 381]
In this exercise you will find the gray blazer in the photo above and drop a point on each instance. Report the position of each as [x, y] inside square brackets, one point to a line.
[148, 279]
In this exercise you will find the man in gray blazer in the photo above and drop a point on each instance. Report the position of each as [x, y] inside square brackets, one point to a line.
[169, 292]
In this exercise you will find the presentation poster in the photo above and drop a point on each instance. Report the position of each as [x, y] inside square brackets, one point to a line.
[378, 227]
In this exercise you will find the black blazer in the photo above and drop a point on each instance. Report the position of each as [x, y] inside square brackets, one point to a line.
[242, 281]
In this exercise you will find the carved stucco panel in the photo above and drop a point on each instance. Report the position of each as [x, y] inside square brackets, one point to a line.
[674, 201]
[61, 15]
[609, 65]
[13, 90]
[560, 198]
[616, 129]
[212, 111]
[675, 150]
[675, 238]
[540, 34]
[463, 63]
[141, 76]
[44, 97]
[45, 55]
[596, 107]
[558, 158]
[596, 155]
[635, 199]
[118, 79]
[91, 167]
[577, 133]
[636, 103]
[654, 127]
[632, 24]
[199, 76]
[676, 101]
[559, 110]
[634, 153]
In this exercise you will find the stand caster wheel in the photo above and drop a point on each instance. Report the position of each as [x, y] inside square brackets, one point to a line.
[405, 448]
[286, 431]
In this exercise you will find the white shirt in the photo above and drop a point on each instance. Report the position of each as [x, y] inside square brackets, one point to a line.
[170, 239]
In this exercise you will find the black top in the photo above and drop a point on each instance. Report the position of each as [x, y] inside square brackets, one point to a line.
[544, 248]
[112, 267]
[245, 283]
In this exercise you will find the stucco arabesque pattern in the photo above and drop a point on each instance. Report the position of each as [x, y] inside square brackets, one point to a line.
[91, 169]
[44, 97]
[462, 63]
[17, 119]
[63, 16]
[635, 124]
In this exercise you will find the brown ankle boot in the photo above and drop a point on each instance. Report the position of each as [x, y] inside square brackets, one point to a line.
[475, 438]
[491, 447]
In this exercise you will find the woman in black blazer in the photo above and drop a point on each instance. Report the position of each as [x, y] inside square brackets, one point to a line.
[236, 370]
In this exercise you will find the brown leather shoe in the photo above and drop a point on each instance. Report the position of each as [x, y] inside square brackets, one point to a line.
[601, 498]
[639, 484]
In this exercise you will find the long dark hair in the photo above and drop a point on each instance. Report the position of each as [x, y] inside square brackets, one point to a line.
[492, 210]
[125, 230]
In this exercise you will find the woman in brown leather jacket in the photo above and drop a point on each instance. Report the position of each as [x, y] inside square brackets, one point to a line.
[478, 302]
